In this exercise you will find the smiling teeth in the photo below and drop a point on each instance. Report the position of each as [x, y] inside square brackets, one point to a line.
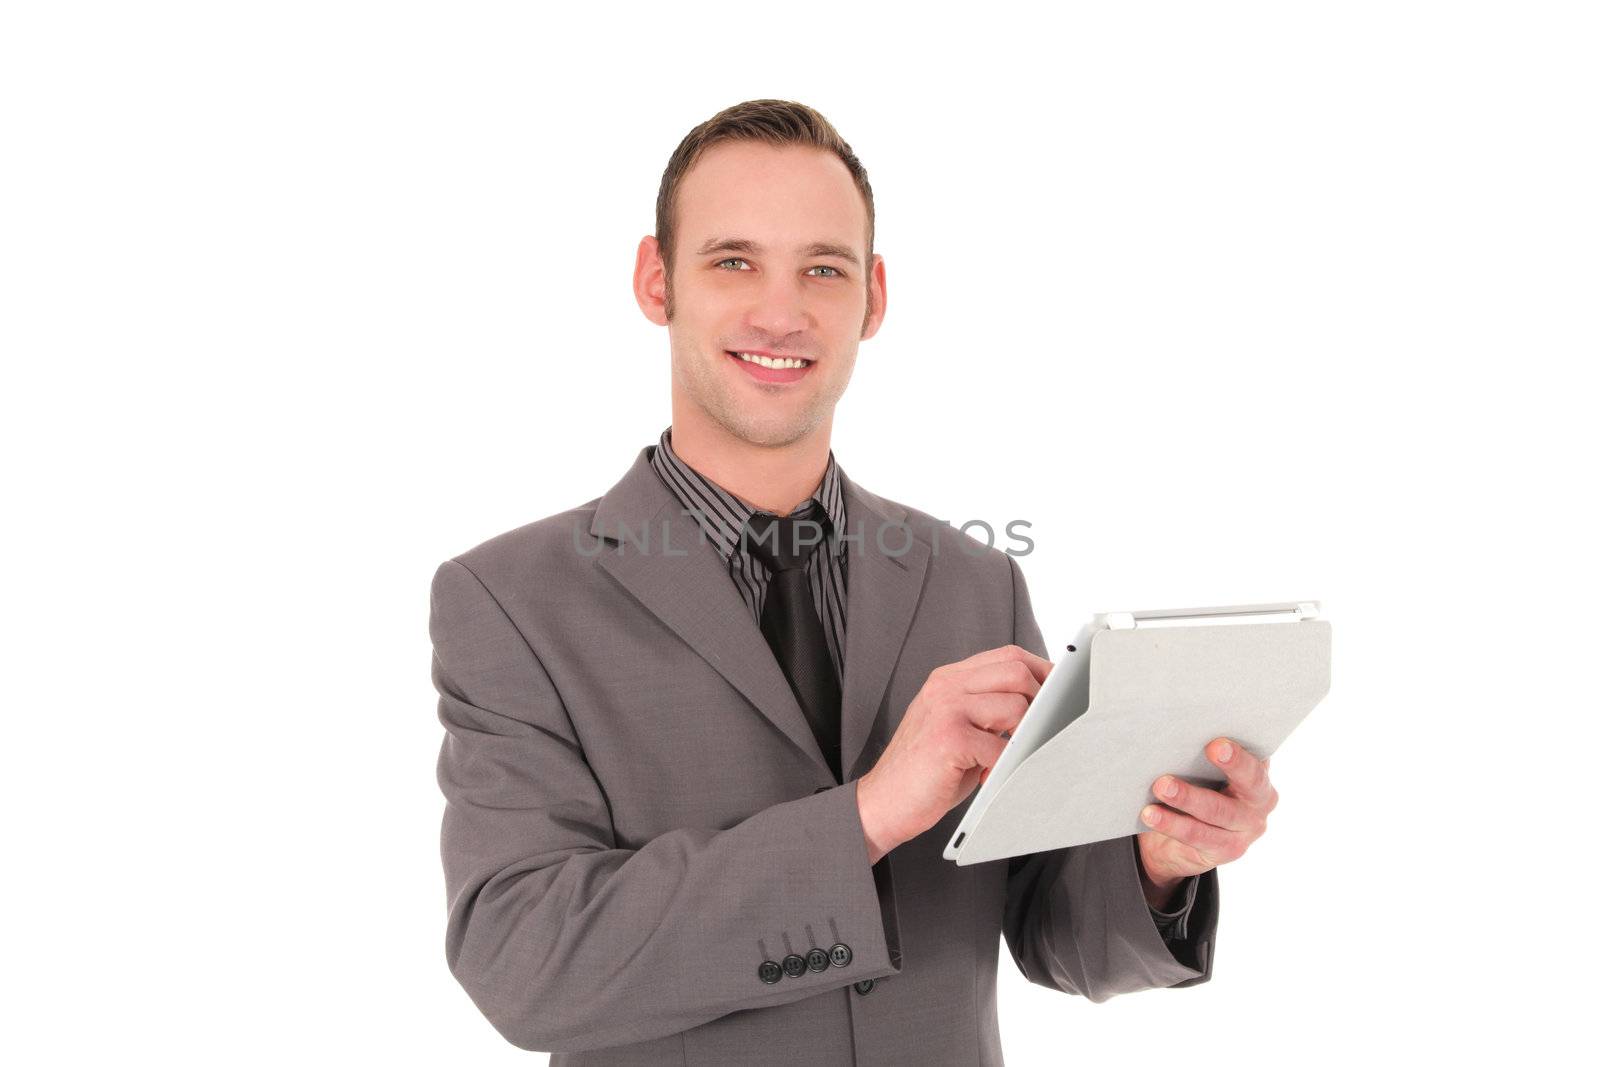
[769, 362]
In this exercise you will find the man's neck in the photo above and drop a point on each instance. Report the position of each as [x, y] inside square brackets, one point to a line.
[772, 479]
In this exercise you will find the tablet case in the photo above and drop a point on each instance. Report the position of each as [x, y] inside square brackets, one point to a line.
[1156, 696]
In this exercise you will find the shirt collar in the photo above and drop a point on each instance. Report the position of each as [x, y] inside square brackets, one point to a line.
[721, 513]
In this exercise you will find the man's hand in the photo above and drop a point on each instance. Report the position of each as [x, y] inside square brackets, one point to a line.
[1219, 826]
[945, 745]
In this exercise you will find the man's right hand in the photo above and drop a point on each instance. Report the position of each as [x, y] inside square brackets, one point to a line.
[945, 745]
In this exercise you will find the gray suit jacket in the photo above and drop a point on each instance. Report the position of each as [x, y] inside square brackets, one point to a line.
[638, 817]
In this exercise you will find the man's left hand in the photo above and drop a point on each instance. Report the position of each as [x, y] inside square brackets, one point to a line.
[1220, 824]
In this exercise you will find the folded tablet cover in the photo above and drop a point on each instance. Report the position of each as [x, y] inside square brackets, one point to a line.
[1156, 697]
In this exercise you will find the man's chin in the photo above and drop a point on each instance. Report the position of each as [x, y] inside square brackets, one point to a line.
[769, 430]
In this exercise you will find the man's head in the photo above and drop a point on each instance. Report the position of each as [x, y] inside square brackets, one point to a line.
[763, 244]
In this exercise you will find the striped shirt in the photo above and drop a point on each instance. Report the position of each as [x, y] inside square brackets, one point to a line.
[722, 516]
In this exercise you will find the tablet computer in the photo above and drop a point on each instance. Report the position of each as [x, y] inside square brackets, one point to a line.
[1132, 696]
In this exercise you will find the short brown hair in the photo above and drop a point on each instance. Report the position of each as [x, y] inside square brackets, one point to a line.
[776, 122]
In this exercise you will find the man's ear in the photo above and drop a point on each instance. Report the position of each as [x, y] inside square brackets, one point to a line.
[877, 298]
[650, 281]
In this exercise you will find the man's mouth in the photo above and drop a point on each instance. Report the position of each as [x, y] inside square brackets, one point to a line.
[766, 367]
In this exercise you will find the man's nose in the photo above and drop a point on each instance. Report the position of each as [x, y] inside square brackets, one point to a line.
[780, 307]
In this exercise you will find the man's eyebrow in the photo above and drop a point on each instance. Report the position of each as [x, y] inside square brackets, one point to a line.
[748, 247]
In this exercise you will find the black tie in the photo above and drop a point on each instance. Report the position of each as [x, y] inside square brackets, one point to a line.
[789, 618]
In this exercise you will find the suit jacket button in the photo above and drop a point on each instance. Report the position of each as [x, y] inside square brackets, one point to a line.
[794, 966]
[865, 986]
[817, 960]
[840, 954]
[770, 972]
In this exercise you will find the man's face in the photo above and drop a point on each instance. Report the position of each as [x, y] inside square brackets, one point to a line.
[770, 259]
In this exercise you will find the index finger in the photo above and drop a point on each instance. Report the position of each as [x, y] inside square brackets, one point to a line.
[1035, 663]
[1246, 773]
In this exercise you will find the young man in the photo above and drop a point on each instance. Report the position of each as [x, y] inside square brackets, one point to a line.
[707, 734]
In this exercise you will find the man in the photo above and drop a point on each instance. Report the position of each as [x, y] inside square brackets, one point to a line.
[708, 733]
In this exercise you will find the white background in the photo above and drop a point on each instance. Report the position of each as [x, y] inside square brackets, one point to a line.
[1232, 302]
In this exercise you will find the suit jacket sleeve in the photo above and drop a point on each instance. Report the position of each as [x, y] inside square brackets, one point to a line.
[566, 941]
[1076, 918]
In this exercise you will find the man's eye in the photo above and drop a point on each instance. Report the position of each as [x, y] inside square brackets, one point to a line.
[730, 261]
[821, 266]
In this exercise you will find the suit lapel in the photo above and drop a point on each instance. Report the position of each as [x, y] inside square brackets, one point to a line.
[658, 554]
[683, 581]
[883, 582]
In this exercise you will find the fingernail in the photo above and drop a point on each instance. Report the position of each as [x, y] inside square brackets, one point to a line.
[1169, 788]
[1224, 752]
[1151, 814]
